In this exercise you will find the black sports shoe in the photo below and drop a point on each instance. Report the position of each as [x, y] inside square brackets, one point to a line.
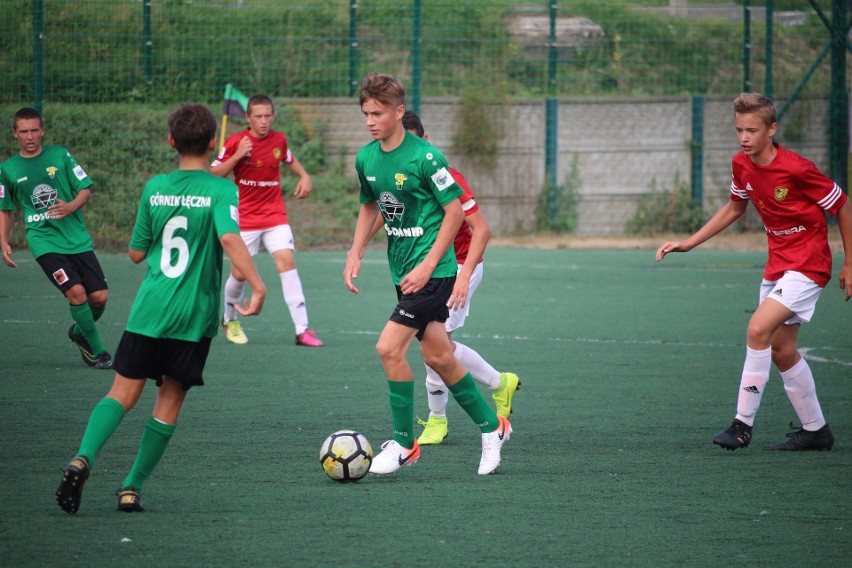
[85, 349]
[128, 500]
[737, 435]
[805, 440]
[103, 361]
[70, 489]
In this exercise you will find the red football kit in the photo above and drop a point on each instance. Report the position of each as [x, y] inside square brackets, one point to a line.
[258, 176]
[791, 195]
[461, 244]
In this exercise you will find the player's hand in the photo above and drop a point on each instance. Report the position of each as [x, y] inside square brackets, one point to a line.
[59, 209]
[459, 296]
[415, 280]
[351, 270]
[244, 148]
[303, 188]
[846, 280]
[7, 256]
[253, 308]
[671, 246]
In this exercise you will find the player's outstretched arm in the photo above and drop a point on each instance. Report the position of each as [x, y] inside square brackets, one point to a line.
[844, 223]
[478, 242]
[363, 233]
[722, 219]
[303, 186]
[5, 247]
[241, 259]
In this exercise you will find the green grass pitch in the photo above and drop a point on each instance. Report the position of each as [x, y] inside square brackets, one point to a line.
[628, 366]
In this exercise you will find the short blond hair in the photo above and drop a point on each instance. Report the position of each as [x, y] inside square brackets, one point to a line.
[382, 88]
[756, 103]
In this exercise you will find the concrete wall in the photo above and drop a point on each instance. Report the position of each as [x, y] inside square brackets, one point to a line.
[622, 147]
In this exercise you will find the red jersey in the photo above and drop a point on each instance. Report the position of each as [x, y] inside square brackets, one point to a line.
[258, 177]
[791, 195]
[462, 240]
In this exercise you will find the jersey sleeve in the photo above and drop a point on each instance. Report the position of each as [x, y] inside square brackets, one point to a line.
[141, 238]
[225, 213]
[436, 172]
[228, 149]
[6, 203]
[821, 188]
[468, 202]
[77, 176]
[738, 191]
[366, 193]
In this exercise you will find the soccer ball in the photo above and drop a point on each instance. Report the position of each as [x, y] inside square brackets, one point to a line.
[346, 456]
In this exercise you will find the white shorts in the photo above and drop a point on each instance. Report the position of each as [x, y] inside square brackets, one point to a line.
[274, 239]
[457, 317]
[796, 292]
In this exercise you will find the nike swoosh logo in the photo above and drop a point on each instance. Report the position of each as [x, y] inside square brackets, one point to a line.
[404, 460]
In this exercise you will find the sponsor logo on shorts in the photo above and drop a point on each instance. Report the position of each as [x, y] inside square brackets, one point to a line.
[403, 313]
[60, 277]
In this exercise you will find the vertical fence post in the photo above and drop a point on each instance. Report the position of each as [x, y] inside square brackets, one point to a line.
[767, 88]
[147, 41]
[38, 52]
[838, 145]
[353, 46]
[415, 58]
[551, 123]
[697, 147]
[746, 46]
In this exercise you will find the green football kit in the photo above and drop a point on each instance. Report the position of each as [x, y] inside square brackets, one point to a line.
[35, 184]
[181, 217]
[411, 185]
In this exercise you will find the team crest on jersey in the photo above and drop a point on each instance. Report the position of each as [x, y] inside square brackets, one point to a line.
[51, 171]
[781, 192]
[277, 153]
[43, 196]
[390, 207]
[400, 179]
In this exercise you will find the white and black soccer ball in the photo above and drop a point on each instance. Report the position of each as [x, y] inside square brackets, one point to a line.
[346, 456]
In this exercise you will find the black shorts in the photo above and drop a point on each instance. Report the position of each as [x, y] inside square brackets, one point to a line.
[66, 270]
[142, 357]
[428, 305]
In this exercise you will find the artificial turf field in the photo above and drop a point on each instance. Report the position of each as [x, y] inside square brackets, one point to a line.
[628, 367]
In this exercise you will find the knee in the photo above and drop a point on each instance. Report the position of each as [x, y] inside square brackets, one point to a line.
[98, 299]
[386, 352]
[784, 356]
[758, 335]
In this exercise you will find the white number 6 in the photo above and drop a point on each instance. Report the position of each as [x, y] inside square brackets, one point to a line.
[170, 243]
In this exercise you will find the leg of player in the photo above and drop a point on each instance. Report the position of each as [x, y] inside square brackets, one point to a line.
[438, 353]
[234, 291]
[435, 429]
[155, 439]
[503, 385]
[84, 332]
[402, 449]
[103, 422]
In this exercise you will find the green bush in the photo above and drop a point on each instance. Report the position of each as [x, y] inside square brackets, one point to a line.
[557, 206]
[667, 210]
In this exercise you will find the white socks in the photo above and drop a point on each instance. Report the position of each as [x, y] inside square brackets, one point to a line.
[755, 376]
[295, 299]
[234, 290]
[480, 370]
[801, 390]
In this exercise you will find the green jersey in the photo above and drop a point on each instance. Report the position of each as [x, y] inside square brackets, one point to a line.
[411, 185]
[35, 184]
[181, 217]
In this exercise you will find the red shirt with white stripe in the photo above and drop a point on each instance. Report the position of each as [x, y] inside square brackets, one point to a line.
[258, 176]
[792, 196]
[461, 244]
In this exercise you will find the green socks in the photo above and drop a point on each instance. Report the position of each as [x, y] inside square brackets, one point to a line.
[401, 396]
[155, 439]
[84, 318]
[469, 398]
[105, 418]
